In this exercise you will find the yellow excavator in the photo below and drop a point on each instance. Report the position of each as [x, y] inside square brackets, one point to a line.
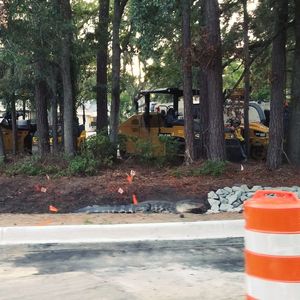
[150, 123]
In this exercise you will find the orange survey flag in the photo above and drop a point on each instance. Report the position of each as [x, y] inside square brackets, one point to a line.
[129, 178]
[134, 199]
[53, 209]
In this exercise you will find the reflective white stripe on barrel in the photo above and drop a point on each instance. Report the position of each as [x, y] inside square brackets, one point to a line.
[272, 243]
[272, 290]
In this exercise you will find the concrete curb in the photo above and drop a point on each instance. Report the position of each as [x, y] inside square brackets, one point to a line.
[121, 232]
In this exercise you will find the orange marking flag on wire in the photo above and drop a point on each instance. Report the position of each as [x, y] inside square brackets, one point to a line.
[129, 178]
[53, 209]
[134, 199]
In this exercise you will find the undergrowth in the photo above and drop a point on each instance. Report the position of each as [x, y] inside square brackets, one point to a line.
[157, 155]
[97, 153]
[209, 168]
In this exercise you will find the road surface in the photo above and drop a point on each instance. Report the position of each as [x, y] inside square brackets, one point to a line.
[166, 270]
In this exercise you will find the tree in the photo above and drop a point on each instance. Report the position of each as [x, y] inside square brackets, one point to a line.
[275, 149]
[294, 138]
[102, 61]
[2, 149]
[187, 81]
[119, 6]
[69, 105]
[41, 110]
[247, 74]
[12, 105]
[204, 117]
[29, 43]
[216, 144]
[53, 85]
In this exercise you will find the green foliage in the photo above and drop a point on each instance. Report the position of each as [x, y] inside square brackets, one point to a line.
[213, 168]
[97, 152]
[208, 168]
[232, 73]
[83, 165]
[122, 139]
[145, 153]
[156, 21]
[172, 147]
[100, 148]
[31, 166]
[165, 71]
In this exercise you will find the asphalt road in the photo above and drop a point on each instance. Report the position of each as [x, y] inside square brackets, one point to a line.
[179, 270]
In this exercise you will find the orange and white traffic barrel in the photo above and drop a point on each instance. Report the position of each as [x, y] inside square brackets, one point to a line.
[272, 245]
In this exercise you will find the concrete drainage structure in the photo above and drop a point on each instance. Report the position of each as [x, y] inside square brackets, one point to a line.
[231, 199]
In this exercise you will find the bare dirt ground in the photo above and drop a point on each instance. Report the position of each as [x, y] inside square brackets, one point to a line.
[26, 200]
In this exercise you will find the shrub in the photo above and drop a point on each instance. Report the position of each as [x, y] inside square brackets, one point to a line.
[97, 152]
[100, 147]
[82, 165]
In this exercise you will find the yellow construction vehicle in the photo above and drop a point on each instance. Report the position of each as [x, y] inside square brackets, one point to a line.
[150, 123]
[25, 131]
[258, 131]
[80, 136]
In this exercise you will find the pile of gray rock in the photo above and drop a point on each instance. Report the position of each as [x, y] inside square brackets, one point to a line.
[231, 199]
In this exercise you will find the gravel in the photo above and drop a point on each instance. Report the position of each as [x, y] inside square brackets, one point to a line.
[231, 199]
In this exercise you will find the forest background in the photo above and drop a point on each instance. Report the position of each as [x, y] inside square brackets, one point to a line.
[63, 53]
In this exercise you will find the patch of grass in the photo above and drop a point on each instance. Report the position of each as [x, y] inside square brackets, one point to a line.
[213, 168]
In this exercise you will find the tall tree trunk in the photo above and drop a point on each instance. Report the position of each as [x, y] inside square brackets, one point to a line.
[294, 128]
[69, 105]
[204, 118]
[12, 104]
[2, 148]
[187, 82]
[24, 109]
[54, 115]
[216, 147]
[102, 61]
[14, 124]
[247, 75]
[275, 149]
[119, 6]
[41, 113]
